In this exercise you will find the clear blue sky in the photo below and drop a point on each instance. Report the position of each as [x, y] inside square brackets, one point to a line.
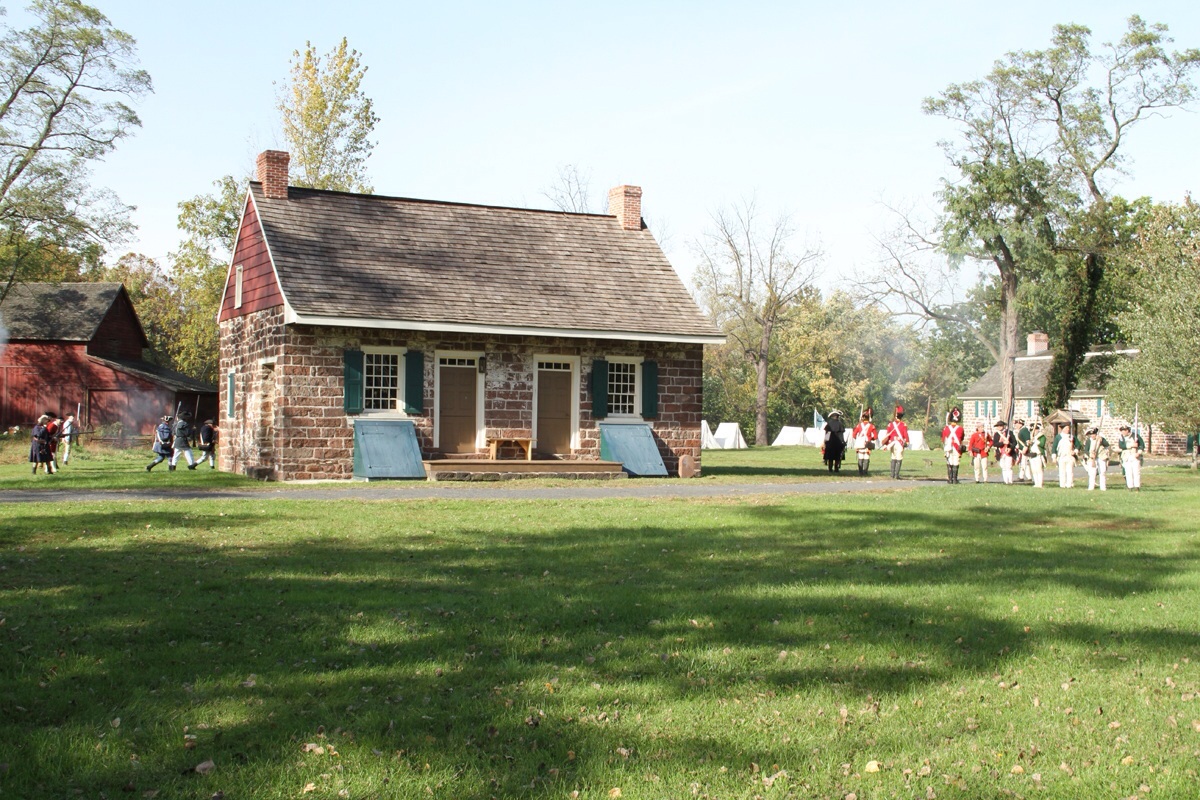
[812, 108]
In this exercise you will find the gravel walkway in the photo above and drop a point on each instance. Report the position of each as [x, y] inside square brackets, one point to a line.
[471, 491]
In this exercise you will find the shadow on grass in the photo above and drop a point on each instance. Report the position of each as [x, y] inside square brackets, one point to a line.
[494, 650]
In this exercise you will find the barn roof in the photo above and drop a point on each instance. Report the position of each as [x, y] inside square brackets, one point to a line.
[68, 312]
[175, 381]
[341, 256]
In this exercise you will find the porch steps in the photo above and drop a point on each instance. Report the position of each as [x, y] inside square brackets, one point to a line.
[479, 469]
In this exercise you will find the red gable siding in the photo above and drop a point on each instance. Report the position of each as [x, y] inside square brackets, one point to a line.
[119, 335]
[260, 290]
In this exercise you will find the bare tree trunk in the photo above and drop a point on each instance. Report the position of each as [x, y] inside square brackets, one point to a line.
[762, 392]
[1009, 342]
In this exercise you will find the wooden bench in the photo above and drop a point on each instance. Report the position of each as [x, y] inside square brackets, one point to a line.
[525, 444]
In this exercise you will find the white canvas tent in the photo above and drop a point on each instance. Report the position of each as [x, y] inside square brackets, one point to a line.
[707, 440]
[789, 435]
[814, 437]
[729, 436]
[916, 440]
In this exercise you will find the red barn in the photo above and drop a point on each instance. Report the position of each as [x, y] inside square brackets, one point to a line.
[79, 346]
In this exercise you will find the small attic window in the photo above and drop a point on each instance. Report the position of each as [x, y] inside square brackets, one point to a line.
[237, 286]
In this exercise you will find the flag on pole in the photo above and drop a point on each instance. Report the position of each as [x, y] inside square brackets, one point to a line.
[818, 420]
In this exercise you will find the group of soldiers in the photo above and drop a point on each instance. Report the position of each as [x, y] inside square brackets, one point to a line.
[1021, 452]
[1027, 450]
[173, 437]
[864, 438]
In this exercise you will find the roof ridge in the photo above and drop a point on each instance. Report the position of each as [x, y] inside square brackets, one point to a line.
[457, 203]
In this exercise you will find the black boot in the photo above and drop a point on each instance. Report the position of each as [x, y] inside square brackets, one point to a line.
[949, 474]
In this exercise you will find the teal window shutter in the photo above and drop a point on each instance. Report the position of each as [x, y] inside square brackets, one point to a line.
[229, 397]
[353, 383]
[977, 408]
[599, 389]
[649, 389]
[414, 382]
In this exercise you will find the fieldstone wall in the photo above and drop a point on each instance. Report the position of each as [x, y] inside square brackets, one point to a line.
[289, 422]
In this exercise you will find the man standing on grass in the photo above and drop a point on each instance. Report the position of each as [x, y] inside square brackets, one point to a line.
[979, 446]
[1131, 447]
[1066, 448]
[1096, 452]
[1005, 444]
[864, 435]
[895, 439]
[70, 432]
[954, 444]
[1035, 455]
[1023, 437]
[181, 441]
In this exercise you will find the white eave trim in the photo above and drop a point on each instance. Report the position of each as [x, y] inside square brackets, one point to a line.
[290, 316]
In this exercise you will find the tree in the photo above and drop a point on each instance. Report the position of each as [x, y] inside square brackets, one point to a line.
[64, 87]
[155, 297]
[1163, 321]
[327, 120]
[1038, 135]
[199, 268]
[571, 192]
[748, 278]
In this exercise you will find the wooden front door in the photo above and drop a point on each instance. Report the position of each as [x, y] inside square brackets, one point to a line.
[457, 405]
[554, 408]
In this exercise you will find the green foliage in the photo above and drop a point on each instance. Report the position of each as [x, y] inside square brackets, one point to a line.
[67, 80]
[199, 270]
[327, 120]
[1038, 135]
[1163, 322]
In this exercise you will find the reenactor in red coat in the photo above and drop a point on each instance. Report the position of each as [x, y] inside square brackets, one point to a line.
[864, 436]
[954, 443]
[979, 446]
[895, 438]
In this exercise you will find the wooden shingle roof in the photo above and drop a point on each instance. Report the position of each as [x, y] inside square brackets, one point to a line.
[67, 312]
[342, 256]
[1030, 373]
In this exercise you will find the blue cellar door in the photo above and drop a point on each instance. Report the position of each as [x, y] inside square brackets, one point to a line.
[634, 447]
[387, 449]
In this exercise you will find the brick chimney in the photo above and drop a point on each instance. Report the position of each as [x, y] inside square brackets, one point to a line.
[625, 203]
[1038, 342]
[272, 168]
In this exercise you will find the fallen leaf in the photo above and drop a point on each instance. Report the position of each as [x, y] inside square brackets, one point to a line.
[872, 766]
[1017, 770]
[116, 723]
[309, 787]
[615, 791]
[1127, 760]
[205, 767]
[1114, 725]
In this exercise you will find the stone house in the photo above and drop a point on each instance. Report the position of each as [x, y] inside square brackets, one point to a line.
[475, 324]
[78, 348]
[981, 400]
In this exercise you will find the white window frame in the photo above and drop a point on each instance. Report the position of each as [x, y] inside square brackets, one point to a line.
[636, 416]
[237, 286]
[480, 381]
[385, 413]
[574, 362]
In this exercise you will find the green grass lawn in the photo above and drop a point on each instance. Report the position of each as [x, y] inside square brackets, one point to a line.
[950, 641]
[101, 468]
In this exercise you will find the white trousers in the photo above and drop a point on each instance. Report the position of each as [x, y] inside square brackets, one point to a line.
[1133, 472]
[1066, 472]
[980, 463]
[1037, 467]
[187, 452]
[1097, 474]
[1006, 464]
